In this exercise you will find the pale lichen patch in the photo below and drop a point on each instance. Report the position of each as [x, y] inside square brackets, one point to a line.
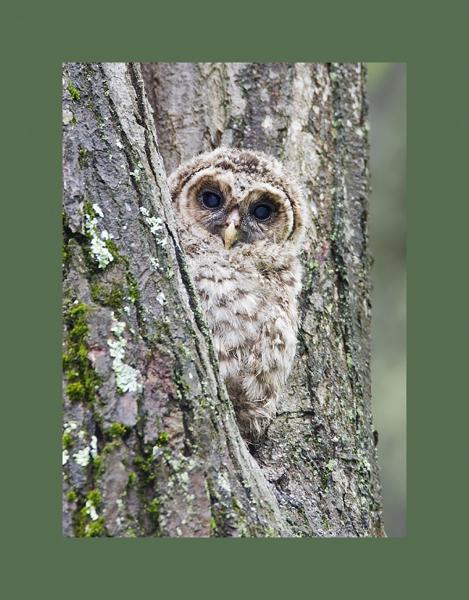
[90, 510]
[82, 457]
[99, 248]
[94, 446]
[156, 226]
[137, 172]
[67, 116]
[127, 378]
[267, 123]
[161, 299]
[154, 263]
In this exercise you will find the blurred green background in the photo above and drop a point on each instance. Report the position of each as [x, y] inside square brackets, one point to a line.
[387, 117]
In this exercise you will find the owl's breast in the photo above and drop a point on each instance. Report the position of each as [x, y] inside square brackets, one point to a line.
[245, 311]
[231, 298]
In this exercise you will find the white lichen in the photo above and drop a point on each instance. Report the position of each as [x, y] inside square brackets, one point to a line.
[82, 457]
[69, 427]
[65, 457]
[267, 123]
[156, 226]
[94, 446]
[126, 376]
[161, 298]
[97, 210]
[67, 116]
[120, 520]
[91, 510]
[118, 327]
[137, 172]
[224, 483]
[99, 249]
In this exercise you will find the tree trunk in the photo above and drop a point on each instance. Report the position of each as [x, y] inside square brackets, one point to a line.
[151, 444]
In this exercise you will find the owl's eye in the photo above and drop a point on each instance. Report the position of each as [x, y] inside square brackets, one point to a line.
[262, 211]
[211, 199]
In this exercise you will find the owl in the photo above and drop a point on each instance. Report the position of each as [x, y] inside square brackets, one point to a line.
[241, 222]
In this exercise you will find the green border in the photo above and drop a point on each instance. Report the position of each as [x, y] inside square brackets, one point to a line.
[38, 561]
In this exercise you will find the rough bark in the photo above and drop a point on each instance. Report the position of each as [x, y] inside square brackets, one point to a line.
[151, 445]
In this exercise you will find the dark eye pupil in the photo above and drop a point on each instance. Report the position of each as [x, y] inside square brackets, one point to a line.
[211, 200]
[262, 211]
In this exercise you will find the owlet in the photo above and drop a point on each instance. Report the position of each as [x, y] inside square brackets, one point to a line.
[241, 224]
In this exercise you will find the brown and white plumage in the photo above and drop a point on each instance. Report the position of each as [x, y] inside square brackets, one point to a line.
[246, 269]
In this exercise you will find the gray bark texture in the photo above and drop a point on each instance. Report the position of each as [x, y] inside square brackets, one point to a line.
[150, 445]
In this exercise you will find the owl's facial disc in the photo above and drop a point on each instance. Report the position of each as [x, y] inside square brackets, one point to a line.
[237, 210]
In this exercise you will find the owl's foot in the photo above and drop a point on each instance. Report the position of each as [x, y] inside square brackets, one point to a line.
[253, 423]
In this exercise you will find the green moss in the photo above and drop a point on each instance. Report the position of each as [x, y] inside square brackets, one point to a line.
[311, 268]
[72, 496]
[83, 157]
[145, 466]
[163, 439]
[88, 209]
[67, 440]
[83, 525]
[183, 351]
[79, 373]
[183, 386]
[130, 533]
[154, 510]
[65, 253]
[236, 505]
[95, 528]
[117, 430]
[132, 479]
[97, 462]
[112, 297]
[74, 92]
[325, 476]
[94, 496]
[162, 335]
[75, 391]
[112, 247]
[134, 293]
[112, 446]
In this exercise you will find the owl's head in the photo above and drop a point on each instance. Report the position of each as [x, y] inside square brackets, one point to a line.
[240, 197]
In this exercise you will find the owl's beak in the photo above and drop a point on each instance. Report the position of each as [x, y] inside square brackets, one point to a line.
[231, 235]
